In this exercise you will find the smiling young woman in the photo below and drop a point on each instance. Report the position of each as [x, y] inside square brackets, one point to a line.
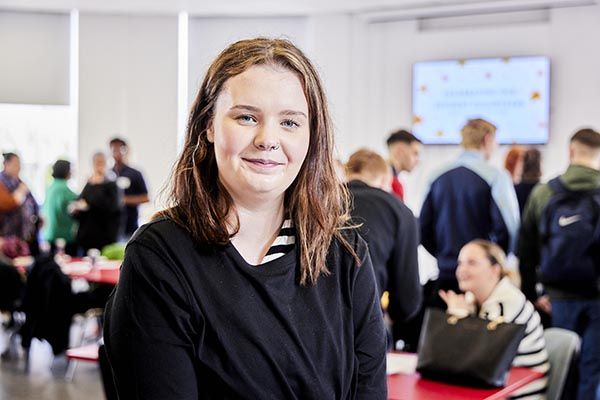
[251, 284]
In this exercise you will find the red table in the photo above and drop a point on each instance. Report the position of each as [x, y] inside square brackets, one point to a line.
[410, 386]
[106, 276]
[106, 272]
[84, 353]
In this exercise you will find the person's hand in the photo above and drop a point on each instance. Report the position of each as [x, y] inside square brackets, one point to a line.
[543, 303]
[77, 206]
[20, 193]
[457, 303]
[22, 188]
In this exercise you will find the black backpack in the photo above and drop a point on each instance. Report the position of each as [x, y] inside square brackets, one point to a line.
[570, 240]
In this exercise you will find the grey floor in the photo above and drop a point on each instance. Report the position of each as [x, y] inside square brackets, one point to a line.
[46, 377]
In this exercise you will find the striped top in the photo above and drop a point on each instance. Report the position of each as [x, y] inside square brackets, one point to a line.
[283, 243]
[508, 301]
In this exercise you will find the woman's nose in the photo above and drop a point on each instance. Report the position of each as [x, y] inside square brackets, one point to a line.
[267, 139]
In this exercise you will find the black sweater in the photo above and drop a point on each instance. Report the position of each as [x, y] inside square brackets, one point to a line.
[99, 224]
[391, 231]
[191, 322]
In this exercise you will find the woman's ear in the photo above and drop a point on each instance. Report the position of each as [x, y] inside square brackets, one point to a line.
[210, 133]
[498, 269]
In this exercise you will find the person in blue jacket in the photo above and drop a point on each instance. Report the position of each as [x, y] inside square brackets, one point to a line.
[468, 199]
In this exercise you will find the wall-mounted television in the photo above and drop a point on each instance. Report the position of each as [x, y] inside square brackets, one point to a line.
[511, 92]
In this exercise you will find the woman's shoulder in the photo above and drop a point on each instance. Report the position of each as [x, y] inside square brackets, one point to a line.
[348, 250]
[352, 237]
[162, 246]
[160, 231]
[512, 299]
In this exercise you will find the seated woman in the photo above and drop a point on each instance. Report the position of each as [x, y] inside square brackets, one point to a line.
[490, 293]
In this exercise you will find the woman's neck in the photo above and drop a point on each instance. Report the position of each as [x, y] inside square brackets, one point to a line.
[259, 224]
[484, 293]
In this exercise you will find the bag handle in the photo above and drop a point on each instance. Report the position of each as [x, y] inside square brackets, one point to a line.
[491, 326]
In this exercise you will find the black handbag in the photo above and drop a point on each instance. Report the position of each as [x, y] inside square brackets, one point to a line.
[469, 351]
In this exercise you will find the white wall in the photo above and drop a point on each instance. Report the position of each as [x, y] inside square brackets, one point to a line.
[34, 58]
[382, 93]
[209, 36]
[330, 48]
[128, 87]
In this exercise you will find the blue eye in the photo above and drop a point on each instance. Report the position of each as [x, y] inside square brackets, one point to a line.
[246, 119]
[289, 123]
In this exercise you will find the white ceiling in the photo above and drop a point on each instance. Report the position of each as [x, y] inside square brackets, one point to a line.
[286, 7]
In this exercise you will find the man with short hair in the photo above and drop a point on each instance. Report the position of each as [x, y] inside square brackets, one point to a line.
[468, 199]
[560, 239]
[131, 181]
[404, 149]
[391, 232]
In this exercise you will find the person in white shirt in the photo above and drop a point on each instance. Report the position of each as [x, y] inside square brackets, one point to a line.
[490, 294]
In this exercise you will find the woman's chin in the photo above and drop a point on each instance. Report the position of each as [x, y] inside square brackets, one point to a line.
[464, 286]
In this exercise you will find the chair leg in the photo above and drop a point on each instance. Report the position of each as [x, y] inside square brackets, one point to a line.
[71, 370]
[82, 323]
[26, 359]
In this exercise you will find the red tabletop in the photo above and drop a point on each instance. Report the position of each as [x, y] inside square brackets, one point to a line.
[84, 353]
[412, 387]
[106, 272]
[106, 276]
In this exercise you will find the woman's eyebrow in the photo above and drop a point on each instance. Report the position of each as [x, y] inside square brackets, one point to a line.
[245, 107]
[292, 113]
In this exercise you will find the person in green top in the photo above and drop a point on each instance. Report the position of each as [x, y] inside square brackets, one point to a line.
[59, 224]
[566, 242]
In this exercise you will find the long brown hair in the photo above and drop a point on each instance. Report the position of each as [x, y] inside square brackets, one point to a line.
[532, 166]
[316, 201]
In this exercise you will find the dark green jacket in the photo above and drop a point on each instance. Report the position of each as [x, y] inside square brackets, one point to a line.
[57, 221]
[577, 178]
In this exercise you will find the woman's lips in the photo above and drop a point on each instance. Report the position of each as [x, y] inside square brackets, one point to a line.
[262, 163]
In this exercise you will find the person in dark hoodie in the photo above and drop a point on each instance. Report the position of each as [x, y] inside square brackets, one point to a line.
[391, 232]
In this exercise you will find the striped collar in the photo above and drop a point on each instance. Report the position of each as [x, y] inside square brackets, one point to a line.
[283, 243]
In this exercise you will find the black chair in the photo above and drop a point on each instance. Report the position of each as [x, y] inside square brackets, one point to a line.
[12, 289]
[48, 305]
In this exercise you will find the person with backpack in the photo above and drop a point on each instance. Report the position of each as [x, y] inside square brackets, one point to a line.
[560, 248]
